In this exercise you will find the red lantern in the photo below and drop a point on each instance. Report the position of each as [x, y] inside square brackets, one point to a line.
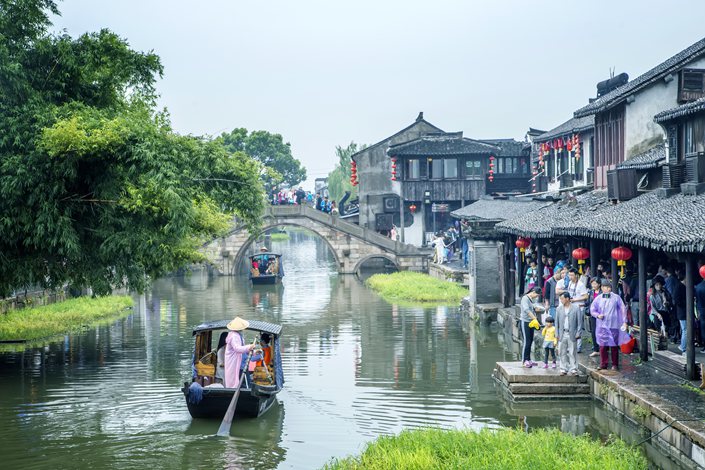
[581, 254]
[394, 168]
[702, 271]
[622, 254]
[569, 145]
[523, 243]
[412, 208]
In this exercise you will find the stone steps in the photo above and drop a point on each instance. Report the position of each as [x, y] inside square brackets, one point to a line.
[537, 383]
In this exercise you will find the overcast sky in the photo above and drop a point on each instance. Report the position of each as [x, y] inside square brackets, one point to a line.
[326, 72]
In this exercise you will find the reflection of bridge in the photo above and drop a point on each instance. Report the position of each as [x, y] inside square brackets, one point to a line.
[351, 245]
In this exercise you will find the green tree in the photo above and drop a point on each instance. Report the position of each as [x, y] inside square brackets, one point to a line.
[339, 178]
[271, 151]
[95, 187]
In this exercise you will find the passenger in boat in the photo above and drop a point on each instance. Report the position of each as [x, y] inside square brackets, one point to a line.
[263, 265]
[220, 358]
[235, 351]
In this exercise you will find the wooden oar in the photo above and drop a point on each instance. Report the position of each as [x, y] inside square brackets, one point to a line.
[224, 429]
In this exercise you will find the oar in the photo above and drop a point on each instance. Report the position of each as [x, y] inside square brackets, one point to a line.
[224, 429]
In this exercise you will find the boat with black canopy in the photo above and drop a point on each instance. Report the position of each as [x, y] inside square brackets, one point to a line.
[266, 268]
[207, 397]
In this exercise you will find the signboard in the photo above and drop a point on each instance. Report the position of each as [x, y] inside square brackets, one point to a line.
[436, 207]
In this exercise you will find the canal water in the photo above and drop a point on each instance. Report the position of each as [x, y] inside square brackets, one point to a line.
[356, 367]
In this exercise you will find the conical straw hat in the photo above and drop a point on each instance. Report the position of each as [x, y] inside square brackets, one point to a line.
[238, 324]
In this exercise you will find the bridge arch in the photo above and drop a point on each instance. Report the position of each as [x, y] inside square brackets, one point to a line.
[268, 225]
[350, 244]
[367, 258]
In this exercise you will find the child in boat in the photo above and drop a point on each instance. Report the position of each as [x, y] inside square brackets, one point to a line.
[549, 342]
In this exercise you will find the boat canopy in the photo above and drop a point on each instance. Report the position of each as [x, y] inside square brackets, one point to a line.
[265, 253]
[255, 325]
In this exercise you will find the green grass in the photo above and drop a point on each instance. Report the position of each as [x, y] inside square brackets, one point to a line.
[410, 287]
[61, 318]
[279, 236]
[505, 449]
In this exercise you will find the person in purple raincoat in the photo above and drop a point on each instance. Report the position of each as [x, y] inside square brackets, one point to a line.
[235, 349]
[611, 328]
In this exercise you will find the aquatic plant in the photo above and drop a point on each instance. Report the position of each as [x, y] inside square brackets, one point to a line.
[505, 449]
[410, 287]
[60, 318]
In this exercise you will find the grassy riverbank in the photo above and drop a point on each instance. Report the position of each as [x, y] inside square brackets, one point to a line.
[61, 318]
[409, 287]
[505, 449]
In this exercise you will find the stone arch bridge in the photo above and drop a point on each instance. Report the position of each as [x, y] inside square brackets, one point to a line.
[350, 244]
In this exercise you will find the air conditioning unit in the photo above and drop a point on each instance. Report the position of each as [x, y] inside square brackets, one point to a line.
[695, 168]
[621, 184]
[384, 221]
[391, 204]
[612, 185]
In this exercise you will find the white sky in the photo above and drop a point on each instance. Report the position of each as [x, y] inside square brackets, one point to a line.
[325, 72]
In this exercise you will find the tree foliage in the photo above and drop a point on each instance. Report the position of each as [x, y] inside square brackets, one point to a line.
[96, 189]
[339, 178]
[271, 151]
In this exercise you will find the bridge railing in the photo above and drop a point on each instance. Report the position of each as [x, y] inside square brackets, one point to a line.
[352, 229]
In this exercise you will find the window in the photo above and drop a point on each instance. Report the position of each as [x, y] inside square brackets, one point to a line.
[691, 85]
[411, 169]
[450, 168]
[500, 165]
[473, 169]
[435, 168]
[695, 136]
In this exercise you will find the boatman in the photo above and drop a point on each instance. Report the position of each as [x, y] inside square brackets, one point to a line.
[235, 349]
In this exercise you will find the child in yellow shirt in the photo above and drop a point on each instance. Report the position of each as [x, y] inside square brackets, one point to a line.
[549, 342]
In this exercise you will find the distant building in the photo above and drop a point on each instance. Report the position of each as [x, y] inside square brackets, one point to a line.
[321, 186]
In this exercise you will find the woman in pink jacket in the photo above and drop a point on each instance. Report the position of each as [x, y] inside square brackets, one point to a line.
[235, 348]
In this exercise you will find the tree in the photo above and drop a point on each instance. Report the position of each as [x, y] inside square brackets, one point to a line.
[339, 178]
[271, 151]
[95, 187]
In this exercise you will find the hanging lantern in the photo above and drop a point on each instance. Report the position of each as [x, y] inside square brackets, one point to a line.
[353, 172]
[523, 243]
[394, 168]
[622, 254]
[581, 254]
[490, 176]
[412, 208]
[576, 144]
[569, 145]
[702, 271]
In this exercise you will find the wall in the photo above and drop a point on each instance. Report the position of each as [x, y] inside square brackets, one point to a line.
[412, 234]
[374, 172]
[641, 132]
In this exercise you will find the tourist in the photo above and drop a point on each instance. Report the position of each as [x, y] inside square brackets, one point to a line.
[440, 249]
[393, 232]
[333, 208]
[659, 302]
[549, 342]
[611, 328]
[531, 278]
[679, 304]
[319, 201]
[551, 294]
[547, 269]
[569, 326]
[235, 351]
[594, 291]
[527, 315]
[465, 241]
[325, 205]
[578, 295]
[700, 305]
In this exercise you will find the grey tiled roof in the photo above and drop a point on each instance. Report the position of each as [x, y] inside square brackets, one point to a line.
[681, 111]
[543, 222]
[571, 126]
[674, 224]
[441, 144]
[651, 158]
[489, 208]
[396, 134]
[508, 147]
[617, 95]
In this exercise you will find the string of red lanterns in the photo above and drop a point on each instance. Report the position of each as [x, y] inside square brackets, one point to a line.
[490, 177]
[394, 168]
[353, 173]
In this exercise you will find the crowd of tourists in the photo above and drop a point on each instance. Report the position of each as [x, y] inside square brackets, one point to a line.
[300, 197]
[452, 243]
[563, 302]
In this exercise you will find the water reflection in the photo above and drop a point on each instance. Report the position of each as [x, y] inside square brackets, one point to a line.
[355, 366]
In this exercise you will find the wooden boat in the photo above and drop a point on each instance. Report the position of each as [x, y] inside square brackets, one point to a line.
[266, 268]
[206, 398]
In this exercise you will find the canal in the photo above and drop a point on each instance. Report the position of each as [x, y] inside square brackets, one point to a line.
[355, 366]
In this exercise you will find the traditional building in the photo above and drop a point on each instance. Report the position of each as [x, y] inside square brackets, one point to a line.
[624, 125]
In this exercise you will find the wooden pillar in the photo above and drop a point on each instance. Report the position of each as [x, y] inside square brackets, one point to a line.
[689, 319]
[520, 272]
[539, 263]
[594, 258]
[511, 273]
[643, 333]
[615, 275]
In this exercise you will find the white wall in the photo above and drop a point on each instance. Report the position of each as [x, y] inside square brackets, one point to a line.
[641, 132]
[412, 235]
